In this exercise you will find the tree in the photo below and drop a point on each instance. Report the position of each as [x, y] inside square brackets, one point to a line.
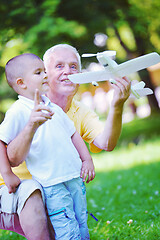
[140, 18]
[132, 26]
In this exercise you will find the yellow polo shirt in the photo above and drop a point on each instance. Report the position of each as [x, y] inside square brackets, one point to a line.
[87, 124]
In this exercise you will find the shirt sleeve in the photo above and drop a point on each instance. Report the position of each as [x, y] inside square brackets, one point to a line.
[91, 128]
[11, 126]
[87, 123]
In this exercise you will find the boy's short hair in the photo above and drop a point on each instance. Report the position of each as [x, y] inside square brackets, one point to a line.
[15, 67]
[46, 56]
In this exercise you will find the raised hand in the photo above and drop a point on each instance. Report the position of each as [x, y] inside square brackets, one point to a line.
[40, 113]
[122, 87]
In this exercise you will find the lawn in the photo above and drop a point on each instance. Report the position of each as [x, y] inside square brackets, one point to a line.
[125, 195]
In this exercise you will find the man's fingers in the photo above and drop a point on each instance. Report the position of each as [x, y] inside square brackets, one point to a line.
[36, 98]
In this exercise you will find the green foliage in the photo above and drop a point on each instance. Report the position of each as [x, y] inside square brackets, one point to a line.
[139, 130]
[45, 22]
[132, 27]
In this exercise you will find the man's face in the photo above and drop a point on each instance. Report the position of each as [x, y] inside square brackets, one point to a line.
[62, 63]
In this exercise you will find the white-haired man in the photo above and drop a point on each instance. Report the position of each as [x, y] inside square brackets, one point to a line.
[62, 60]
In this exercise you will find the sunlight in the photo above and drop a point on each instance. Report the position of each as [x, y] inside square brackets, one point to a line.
[128, 157]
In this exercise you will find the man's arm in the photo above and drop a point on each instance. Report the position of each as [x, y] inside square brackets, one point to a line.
[107, 140]
[87, 162]
[18, 148]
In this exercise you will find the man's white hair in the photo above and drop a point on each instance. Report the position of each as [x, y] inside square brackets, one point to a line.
[47, 54]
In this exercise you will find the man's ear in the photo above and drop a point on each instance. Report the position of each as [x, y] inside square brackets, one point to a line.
[20, 83]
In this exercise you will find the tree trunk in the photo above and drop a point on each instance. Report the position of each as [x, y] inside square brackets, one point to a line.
[151, 98]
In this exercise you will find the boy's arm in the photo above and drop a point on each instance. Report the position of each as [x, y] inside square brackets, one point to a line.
[18, 148]
[10, 179]
[87, 162]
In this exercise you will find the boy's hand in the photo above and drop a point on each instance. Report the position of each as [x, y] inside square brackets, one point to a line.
[87, 170]
[11, 181]
[40, 113]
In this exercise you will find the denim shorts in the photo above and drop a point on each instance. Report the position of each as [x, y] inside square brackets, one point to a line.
[67, 208]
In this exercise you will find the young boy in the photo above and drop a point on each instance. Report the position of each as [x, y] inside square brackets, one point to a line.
[55, 154]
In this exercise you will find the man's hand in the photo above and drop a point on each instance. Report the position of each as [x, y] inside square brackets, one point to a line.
[11, 181]
[122, 89]
[40, 113]
[87, 170]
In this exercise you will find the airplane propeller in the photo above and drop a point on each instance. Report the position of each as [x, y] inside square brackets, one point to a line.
[108, 53]
[89, 54]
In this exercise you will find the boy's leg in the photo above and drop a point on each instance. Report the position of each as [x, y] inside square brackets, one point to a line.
[60, 209]
[78, 191]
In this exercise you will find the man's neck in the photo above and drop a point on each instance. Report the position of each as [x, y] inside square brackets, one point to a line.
[62, 101]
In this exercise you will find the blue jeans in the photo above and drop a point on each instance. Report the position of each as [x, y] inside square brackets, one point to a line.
[67, 208]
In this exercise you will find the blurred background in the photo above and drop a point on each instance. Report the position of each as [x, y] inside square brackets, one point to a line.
[125, 193]
[131, 27]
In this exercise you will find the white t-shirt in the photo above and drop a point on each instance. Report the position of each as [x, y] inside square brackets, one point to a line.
[52, 158]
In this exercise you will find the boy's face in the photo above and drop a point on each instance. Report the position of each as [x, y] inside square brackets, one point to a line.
[35, 77]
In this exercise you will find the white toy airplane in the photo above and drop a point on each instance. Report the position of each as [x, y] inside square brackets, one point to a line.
[112, 70]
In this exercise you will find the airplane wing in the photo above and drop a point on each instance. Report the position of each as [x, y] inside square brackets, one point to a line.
[88, 77]
[136, 64]
[121, 70]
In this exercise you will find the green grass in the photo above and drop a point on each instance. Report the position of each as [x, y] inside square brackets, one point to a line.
[120, 195]
[7, 235]
[126, 187]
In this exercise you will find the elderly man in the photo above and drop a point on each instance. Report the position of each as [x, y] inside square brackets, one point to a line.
[60, 61]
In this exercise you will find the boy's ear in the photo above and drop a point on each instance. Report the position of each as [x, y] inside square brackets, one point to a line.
[20, 82]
